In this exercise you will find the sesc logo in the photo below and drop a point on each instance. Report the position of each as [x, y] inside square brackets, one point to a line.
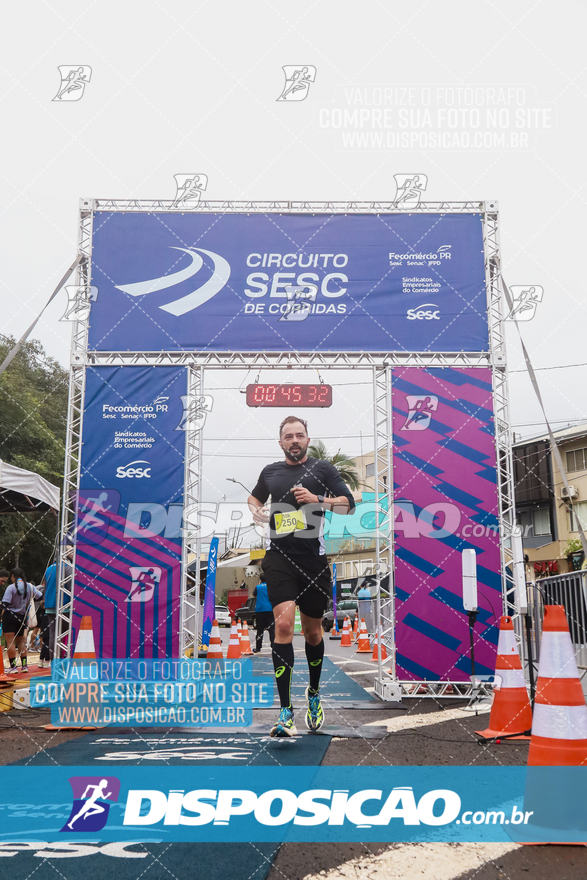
[129, 470]
[424, 313]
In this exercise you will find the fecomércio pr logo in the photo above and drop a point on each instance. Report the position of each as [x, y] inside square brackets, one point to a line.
[92, 799]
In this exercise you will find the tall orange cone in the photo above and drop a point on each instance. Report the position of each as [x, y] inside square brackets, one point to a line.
[84, 650]
[376, 649]
[84, 646]
[345, 641]
[356, 628]
[364, 646]
[215, 645]
[245, 641]
[234, 645]
[559, 728]
[511, 712]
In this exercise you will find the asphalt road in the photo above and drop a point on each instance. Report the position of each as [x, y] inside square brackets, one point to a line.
[421, 732]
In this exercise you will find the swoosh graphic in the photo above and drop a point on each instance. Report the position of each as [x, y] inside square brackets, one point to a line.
[143, 287]
[204, 293]
[279, 671]
[315, 662]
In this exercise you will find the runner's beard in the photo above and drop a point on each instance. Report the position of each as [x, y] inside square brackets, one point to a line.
[296, 456]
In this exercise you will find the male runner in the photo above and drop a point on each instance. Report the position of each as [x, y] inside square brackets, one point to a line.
[295, 564]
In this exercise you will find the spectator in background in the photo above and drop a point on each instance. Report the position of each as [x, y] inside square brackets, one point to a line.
[16, 601]
[49, 586]
[263, 614]
[4, 576]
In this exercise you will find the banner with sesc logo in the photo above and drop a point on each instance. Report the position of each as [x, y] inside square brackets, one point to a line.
[128, 533]
[279, 282]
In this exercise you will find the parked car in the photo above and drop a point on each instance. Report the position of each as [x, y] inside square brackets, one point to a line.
[247, 613]
[222, 615]
[345, 608]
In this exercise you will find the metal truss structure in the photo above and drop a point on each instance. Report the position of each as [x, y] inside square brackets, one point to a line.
[69, 503]
[298, 207]
[379, 364]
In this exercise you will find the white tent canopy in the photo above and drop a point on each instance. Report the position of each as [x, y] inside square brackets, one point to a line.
[240, 561]
[25, 492]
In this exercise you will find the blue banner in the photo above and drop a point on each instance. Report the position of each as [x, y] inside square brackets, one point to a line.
[217, 282]
[301, 803]
[210, 593]
[130, 510]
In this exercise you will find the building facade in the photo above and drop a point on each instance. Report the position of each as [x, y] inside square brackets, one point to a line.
[546, 513]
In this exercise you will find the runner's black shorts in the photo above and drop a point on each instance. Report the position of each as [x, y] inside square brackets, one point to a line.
[304, 580]
[13, 623]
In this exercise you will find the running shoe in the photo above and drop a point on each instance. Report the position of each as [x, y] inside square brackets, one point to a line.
[284, 726]
[314, 716]
[12, 670]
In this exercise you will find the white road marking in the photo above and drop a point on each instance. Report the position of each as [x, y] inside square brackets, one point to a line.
[427, 861]
[405, 722]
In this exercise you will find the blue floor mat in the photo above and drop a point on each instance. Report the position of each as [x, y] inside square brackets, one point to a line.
[237, 750]
[335, 685]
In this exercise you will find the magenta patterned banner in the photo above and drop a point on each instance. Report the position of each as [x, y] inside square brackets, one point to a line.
[445, 476]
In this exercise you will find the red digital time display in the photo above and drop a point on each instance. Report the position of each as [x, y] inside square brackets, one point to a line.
[288, 395]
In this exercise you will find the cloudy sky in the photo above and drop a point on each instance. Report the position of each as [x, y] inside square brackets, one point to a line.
[489, 99]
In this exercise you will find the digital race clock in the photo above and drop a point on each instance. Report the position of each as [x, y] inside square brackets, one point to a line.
[288, 395]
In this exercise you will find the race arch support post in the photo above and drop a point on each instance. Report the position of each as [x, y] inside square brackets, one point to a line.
[128, 534]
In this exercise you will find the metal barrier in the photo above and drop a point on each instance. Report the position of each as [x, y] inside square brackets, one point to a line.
[570, 591]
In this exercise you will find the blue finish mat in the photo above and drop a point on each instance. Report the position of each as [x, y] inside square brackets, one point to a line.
[89, 858]
[234, 749]
[148, 861]
[336, 686]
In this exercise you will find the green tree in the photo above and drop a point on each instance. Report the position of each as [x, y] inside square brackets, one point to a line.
[343, 463]
[33, 415]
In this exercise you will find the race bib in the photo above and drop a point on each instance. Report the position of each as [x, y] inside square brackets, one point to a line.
[285, 523]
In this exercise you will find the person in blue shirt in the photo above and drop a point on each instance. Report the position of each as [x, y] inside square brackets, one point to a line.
[47, 622]
[263, 615]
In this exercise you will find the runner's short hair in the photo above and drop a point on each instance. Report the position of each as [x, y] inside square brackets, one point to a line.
[288, 420]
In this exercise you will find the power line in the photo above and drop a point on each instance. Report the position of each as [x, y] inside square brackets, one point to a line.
[558, 367]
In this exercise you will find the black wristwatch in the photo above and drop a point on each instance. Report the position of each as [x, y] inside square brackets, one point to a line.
[320, 499]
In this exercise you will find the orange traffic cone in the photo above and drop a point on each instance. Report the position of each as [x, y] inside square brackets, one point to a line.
[215, 645]
[376, 649]
[84, 650]
[364, 646]
[356, 628]
[84, 646]
[559, 728]
[345, 641]
[234, 645]
[245, 641]
[511, 712]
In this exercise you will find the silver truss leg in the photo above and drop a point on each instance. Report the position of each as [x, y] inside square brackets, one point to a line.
[386, 685]
[192, 526]
[75, 410]
[503, 440]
